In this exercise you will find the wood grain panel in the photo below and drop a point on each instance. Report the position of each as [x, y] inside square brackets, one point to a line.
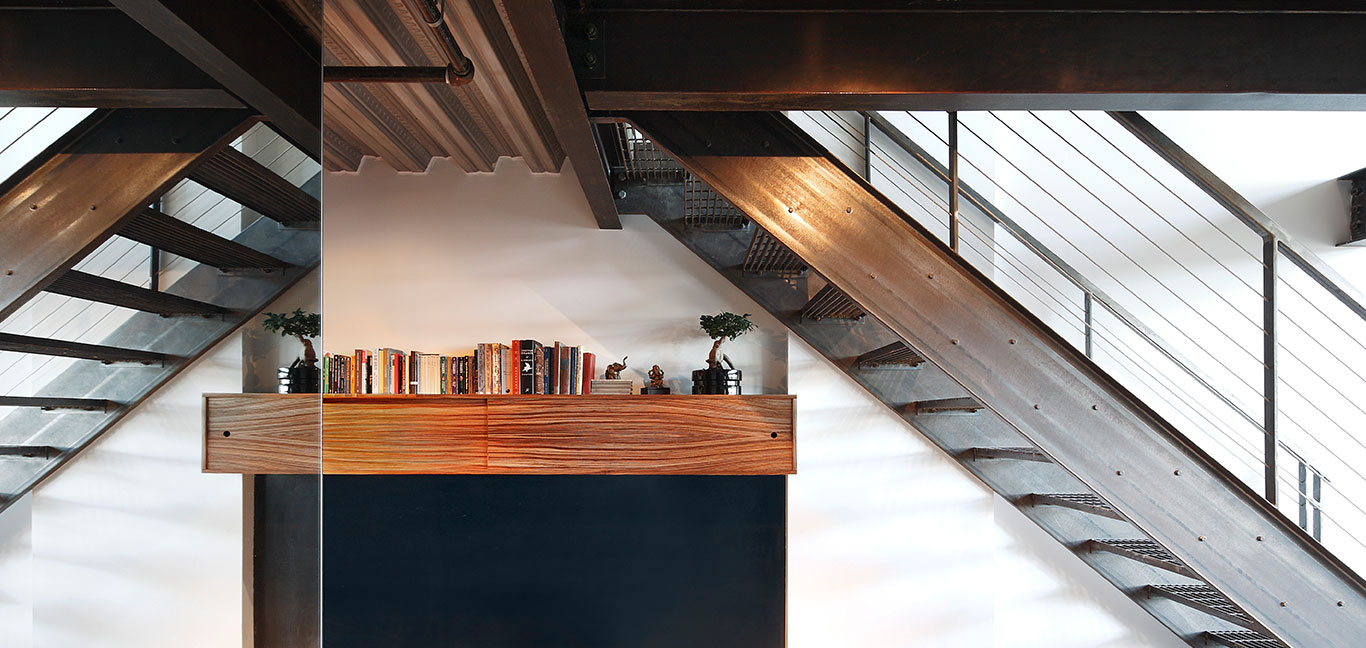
[261, 433]
[368, 435]
[656, 435]
[604, 435]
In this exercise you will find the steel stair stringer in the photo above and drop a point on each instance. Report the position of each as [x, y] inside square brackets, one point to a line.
[1009, 361]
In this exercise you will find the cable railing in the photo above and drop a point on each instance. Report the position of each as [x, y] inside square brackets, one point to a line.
[54, 316]
[1158, 272]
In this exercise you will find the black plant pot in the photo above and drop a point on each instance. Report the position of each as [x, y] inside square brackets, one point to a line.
[716, 380]
[304, 379]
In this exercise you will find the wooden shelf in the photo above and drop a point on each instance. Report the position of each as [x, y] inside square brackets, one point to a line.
[588, 435]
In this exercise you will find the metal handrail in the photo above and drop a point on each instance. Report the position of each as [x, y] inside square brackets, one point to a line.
[1070, 273]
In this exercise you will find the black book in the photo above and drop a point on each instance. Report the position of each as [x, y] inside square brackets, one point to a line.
[526, 365]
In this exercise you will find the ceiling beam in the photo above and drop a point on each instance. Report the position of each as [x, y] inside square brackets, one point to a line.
[79, 192]
[536, 31]
[244, 48]
[1109, 57]
[96, 57]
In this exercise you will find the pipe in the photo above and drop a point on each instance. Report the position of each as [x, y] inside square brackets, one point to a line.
[433, 14]
[390, 74]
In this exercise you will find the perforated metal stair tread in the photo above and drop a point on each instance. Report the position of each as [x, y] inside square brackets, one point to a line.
[235, 175]
[1021, 453]
[183, 239]
[99, 289]
[830, 303]
[705, 210]
[66, 349]
[766, 256]
[1203, 598]
[29, 452]
[57, 404]
[1142, 550]
[1241, 639]
[959, 405]
[1085, 502]
[896, 354]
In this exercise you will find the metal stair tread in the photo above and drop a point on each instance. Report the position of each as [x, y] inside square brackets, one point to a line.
[1085, 502]
[1240, 639]
[1143, 550]
[961, 404]
[830, 303]
[896, 354]
[1019, 453]
[1204, 598]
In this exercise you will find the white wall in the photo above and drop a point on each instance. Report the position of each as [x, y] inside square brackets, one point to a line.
[130, 544]
[891, 543]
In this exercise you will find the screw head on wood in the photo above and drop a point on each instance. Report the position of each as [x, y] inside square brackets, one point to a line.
[848, 210]
[929, 276]
[872, 275]
[790, 210]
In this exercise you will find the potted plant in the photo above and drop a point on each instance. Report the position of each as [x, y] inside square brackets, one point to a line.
[304, 375]
[718, 379]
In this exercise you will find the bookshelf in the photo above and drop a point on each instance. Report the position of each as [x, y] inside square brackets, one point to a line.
[511, 434]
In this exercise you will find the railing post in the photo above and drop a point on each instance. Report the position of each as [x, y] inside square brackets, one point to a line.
[953, 180]
[1087, 306]
[1269, 351]
[867, 148]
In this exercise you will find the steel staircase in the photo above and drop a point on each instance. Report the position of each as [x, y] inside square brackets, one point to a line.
[979, 375]
[101, 185]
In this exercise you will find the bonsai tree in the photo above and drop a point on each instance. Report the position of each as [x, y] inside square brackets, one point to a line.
[721, 327]
[299, 324]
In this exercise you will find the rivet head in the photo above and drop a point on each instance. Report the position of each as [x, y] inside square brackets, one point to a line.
[928, 276]
[92, 208]
[1012, 340]
[1036, 406]
[848, 210]
[1282, 603]
[1259, 538]
[1200, 538]
[33, 207]
[790, 210]
[872, 275]
[9, 272]
[621, 193]
[1119, 472]
[1177, 472]
[953, 341]
[1339, 603]
[1095, 407]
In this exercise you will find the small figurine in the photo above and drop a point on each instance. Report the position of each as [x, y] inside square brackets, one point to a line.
[614, 370]
[656, 385]
[656, 377]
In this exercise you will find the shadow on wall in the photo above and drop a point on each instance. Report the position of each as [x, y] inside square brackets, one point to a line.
[441, 261]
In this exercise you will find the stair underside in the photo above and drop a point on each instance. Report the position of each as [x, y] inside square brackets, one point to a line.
[839, 340]
[920, 289]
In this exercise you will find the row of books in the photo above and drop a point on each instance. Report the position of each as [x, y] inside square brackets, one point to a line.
[522, 367]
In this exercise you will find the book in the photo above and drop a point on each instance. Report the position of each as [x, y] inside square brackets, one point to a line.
[526, 363]
[590, 365]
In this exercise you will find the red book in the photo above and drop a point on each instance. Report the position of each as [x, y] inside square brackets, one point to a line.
[589, 366]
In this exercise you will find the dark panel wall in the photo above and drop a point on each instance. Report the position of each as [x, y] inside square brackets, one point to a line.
[564, 561]
[286, 568]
